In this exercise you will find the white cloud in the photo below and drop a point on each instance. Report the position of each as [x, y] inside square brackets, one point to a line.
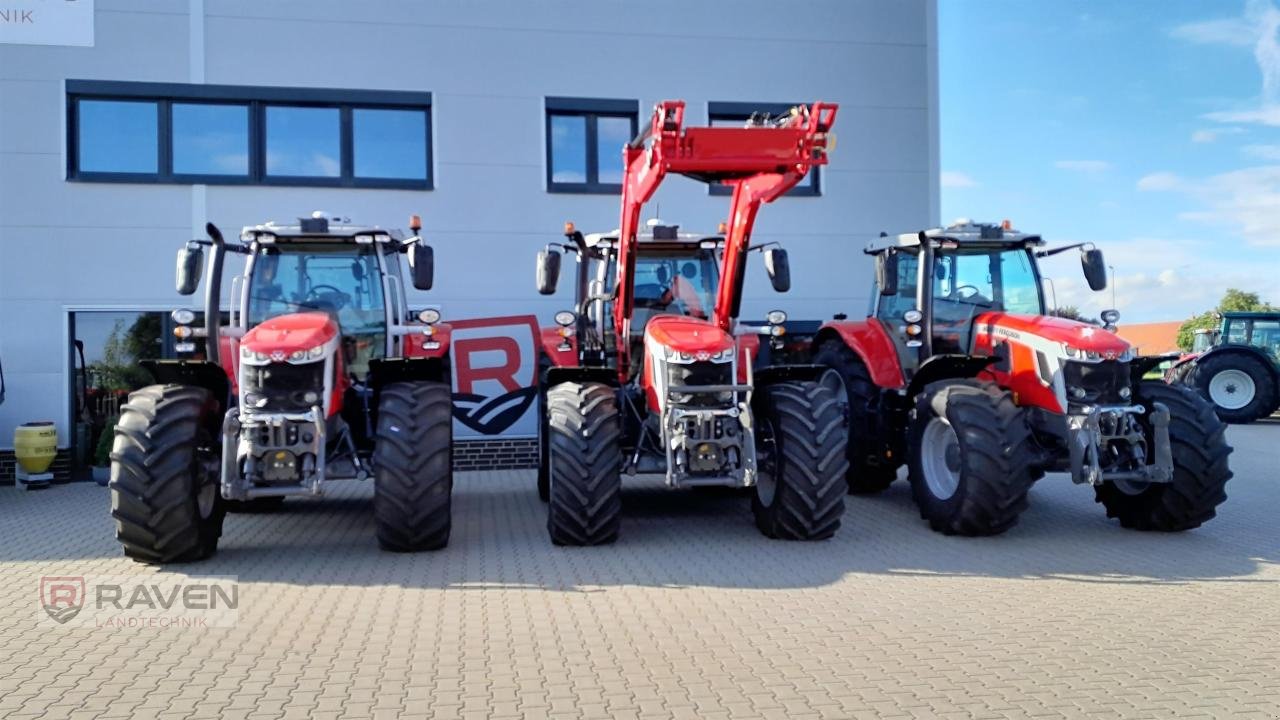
[953, 179]
[1264, 152]
[1208, 136]
[1084, 166]
[1159, 181]
[1224, 31]
[1260, 28]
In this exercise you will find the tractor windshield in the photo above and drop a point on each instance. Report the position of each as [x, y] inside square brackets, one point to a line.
[341, 279]
[676, 281]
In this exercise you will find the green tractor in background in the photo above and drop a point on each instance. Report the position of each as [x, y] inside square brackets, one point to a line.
[1236, 366]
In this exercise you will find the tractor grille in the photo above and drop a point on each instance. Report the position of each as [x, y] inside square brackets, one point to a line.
[1101, 381]
[701, 373]
[283, 387]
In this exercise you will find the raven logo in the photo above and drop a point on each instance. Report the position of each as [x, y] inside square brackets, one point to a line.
[62, 597]
[494, 370]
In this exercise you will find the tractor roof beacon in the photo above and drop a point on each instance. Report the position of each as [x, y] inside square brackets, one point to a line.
[651, 372]
[1236, 366]
[320, 372]
[959, 373]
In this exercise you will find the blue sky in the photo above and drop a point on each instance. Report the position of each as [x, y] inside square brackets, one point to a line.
[1151, 127]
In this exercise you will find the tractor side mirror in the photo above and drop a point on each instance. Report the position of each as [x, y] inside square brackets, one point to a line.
[422, 259]
[189, 261]
[548, 271]
[1095, 269]
[778, 267]
[887, 272]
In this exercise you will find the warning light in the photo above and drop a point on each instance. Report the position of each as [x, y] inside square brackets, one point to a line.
[569, 228]
[1007, 224]
[415, 223]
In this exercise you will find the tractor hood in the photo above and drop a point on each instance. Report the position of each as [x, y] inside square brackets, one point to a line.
[1081, 337]
[688, 335]
[283, 335]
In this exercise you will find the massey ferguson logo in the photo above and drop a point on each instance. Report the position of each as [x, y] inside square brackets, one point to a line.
[62, 597]
[494, 370]
[1110, 354]
[702, 356]
[277, 355]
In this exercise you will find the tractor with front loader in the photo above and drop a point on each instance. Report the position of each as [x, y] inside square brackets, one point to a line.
[959, 373]
[651, 373]
[321, 373]
[1235, 366]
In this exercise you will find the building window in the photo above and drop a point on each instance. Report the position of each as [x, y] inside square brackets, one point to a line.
[585, 138]
[209, 139]
[119, 136]
[736, 114]
[220, 134]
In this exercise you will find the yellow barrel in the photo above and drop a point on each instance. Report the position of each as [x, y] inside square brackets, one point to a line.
[35, 444]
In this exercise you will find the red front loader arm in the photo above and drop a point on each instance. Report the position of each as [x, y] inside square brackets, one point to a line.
[761, 163]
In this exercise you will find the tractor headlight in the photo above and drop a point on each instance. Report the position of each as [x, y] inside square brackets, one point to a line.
[1069, 351]
[1110, 317]
[565, 318]
[183, 316]
[723, 356]
[430, 316]
[776, 317]
[913, 316]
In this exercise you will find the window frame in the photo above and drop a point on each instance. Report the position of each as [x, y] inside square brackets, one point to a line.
[256, 99]
[719, 110]
[592, 109]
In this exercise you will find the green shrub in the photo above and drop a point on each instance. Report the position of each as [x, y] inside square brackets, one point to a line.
[102, 454]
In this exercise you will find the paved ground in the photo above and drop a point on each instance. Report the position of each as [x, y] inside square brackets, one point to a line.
[691, 615]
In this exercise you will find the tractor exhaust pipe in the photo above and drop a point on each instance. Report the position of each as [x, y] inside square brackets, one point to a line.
[213, 293]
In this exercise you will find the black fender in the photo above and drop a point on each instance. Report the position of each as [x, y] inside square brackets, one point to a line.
[1144, 364]
[783, 373]
[578, 373]
[196, 373]
[384, 371]
[1250, 350]
[947, 367]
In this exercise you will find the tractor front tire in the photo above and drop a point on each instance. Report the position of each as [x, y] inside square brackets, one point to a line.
[970, 457]
[165, 489]
[1240, 387]
[870, 469]
[1200, 472]
[802, 461]
[413, 466]
[584, 464]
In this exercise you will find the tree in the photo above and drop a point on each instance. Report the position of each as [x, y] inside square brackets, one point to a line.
[1071, 312]
[1233, 300]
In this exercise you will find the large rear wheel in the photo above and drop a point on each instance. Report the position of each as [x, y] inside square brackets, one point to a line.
[872, 466]
[970, 458]
[1241, 387]
[801, 459]
[584, 464]
[413, 466]
[1200, 472]
[165, 494]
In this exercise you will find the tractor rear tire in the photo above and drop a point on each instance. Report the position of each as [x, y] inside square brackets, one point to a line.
[802, 461]
[261, 505]
[1200, 471]
[413, 466]
[544, 473]
[970, 457]
[165, 487]
[1240, 387]
[584, 464]
[870, 471]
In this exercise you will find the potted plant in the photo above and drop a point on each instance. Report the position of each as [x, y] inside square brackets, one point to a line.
[102, 453]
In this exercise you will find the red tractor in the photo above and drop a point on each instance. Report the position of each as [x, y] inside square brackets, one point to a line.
[321, 373]
[651, 372]
[959, 373]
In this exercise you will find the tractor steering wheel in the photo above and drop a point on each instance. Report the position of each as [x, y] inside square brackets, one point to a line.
[958, 293]
[333, 296]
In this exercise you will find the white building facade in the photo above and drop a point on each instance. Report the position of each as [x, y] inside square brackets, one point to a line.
[125, 125]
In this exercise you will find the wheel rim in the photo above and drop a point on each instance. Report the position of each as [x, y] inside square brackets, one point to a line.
[1232, 389]
[766, 463]
[1131, 487]
[940, 458]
